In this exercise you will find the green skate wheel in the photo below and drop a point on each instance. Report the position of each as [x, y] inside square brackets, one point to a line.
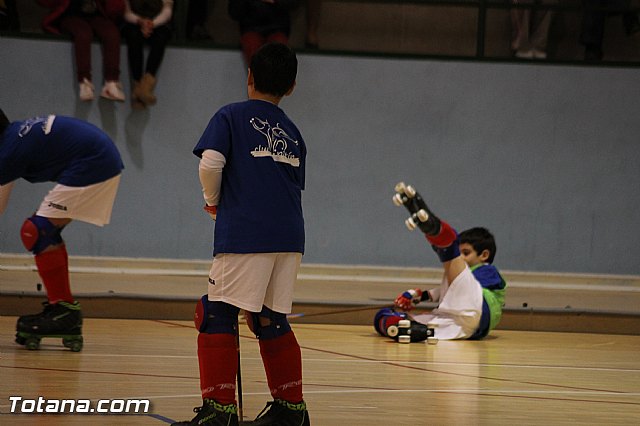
[73, 343]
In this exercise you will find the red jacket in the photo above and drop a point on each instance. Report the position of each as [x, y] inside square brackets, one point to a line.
[112, 9]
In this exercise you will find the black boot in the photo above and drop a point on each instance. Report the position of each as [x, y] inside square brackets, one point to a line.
[212, 414]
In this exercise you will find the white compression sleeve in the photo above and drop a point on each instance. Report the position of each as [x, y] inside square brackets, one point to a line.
[210, 172]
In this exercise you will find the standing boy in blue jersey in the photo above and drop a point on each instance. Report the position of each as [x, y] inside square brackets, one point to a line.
[252, 169]
[86, 166]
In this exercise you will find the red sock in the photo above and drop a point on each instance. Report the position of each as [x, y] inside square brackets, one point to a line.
[283, 364]
[53, 267]
[445, 237]
[218, 359]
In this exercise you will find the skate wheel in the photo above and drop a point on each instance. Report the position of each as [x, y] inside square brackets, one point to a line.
[432, 341]
[422, 215]
[75, 344]
[32, 343]
[20, 340]
[397, 200]
[404, 324]
[400, 186]
[392, 331]
[404, 339]
[410, 191]
[411, 225]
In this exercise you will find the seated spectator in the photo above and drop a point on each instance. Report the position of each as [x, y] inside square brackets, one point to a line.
[261, 21]
[530, 30]
[593, 21]
[9, 19]
[146, 21]
[82, 19]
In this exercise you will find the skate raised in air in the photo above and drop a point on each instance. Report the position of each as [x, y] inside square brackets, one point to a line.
[421, 217]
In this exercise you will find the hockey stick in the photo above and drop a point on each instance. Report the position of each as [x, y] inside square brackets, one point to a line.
[343, 311]
[239, 378]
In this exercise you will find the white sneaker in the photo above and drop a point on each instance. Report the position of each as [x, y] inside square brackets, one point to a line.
[539, 54]
[86, 90]
[112, 90]
[524, 54]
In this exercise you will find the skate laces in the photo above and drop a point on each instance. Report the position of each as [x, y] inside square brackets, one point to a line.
[273, 406]
[75, 306]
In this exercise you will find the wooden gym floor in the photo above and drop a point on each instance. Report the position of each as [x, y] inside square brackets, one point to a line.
[351, 376]
[566, 352]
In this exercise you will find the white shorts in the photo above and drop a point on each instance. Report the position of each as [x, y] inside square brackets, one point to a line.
[92, 203]
[459, 312]
[252, 280]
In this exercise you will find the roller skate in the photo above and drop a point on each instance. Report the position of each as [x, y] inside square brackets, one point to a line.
[281, 413]
[400, 327]
[408, 331]
[421, 217]
[62, 320]
[212, 414]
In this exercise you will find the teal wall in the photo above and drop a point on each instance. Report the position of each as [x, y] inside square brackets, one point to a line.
[545, 156]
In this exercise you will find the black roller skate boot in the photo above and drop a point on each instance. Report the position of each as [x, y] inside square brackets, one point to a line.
[212, 414]
[421, 217]
[408, 331]
[281, 413]
[28, 318]
[62, 320]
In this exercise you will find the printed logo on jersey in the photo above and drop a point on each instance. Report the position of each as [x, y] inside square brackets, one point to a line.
[28, 124]
[278, 143]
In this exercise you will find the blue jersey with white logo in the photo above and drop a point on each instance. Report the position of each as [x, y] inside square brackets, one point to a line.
[58, 149]
[260, 207]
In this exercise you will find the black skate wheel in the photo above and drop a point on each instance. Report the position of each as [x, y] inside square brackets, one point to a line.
[32, 343]
[20, 340]
[75, 344]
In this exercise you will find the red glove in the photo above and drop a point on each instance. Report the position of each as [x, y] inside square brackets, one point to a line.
[407, 300]
[212, 210]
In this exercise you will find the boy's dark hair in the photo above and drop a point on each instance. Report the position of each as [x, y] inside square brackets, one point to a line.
[480, 239]
[274, 68]
[4, 122]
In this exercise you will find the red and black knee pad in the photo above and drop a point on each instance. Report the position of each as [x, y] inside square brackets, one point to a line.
[215, 317]
[278, 324]
[38, 233]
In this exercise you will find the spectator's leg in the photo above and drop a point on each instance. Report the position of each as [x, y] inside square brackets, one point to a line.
[313, 23]
[109, 35]
[197, 15]
[519, 29]
[158, 42]
[135, 49]
[278, 37]
[592, 32]
[251, 41]
[82, 35]
[540, 31]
